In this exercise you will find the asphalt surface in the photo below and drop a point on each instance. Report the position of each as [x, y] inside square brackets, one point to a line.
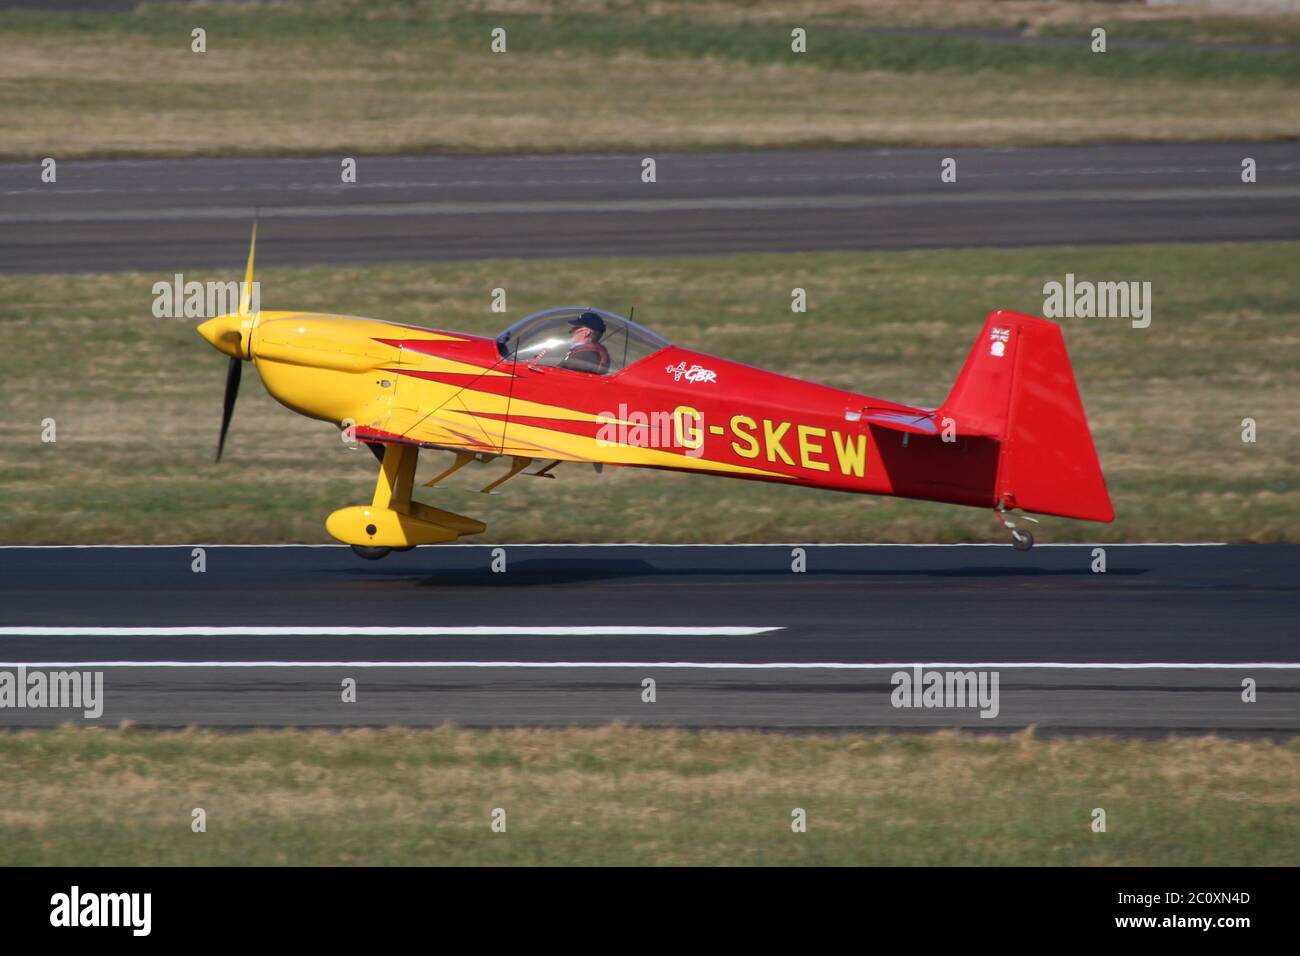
[1161, 641]
[170, 215]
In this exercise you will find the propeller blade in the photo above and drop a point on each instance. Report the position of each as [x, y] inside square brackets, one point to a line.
[233, 372]
[246, 292]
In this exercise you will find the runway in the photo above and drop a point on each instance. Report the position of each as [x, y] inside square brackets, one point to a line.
[171, 215]
[731, 636]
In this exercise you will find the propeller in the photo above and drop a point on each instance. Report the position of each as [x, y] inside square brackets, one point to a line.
[234, 370]
[226, 333]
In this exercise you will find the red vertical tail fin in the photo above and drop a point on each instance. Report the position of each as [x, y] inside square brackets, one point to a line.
[1017, 386]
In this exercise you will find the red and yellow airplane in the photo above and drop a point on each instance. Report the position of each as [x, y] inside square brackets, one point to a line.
[578, 384]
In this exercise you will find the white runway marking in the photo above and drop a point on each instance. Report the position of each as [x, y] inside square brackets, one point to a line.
[611, 630]
[681, 665]
[633, 544]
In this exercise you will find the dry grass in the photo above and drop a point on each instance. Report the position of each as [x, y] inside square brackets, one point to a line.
[82, 93]
[620, 795]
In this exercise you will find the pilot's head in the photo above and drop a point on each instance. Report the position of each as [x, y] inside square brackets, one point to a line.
[588, 327]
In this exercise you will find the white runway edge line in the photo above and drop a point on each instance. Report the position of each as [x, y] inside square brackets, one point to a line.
[678, 665]
[634, 544]
[612, 630]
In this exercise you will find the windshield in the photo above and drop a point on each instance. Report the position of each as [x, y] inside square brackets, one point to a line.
[580, 339]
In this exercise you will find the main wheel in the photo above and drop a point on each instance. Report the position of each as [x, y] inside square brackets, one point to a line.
[369, 553]
[1022, 540]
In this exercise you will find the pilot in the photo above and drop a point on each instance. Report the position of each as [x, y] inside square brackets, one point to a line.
[586, 354]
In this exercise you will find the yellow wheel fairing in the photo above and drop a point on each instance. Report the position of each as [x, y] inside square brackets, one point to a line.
[368, 526]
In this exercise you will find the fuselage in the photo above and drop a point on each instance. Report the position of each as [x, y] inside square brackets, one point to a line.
[674, 408]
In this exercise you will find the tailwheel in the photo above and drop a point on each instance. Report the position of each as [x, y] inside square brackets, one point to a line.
[1010, 516]
[369, 553]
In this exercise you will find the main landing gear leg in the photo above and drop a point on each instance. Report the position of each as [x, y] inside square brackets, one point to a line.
[392, 490]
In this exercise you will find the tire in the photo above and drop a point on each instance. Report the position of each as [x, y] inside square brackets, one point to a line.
[1022, 540]
[369, 553]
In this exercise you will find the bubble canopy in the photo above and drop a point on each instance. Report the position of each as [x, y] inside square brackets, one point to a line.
[545, 338]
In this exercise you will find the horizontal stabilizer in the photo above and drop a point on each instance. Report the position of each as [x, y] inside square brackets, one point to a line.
[919, 422]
